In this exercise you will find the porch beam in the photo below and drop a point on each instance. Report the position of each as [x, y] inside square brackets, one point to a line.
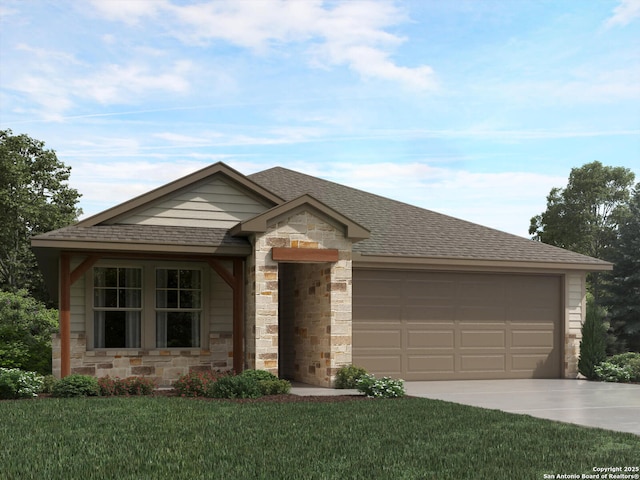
[325, 255]
[65, 315]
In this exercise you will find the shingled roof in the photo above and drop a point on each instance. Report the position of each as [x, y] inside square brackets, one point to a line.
[147, 234]
[402, 230]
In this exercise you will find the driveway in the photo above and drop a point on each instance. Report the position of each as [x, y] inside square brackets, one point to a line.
[613, 406]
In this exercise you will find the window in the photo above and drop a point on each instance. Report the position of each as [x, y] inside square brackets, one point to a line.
[117, 307]
[178, 307]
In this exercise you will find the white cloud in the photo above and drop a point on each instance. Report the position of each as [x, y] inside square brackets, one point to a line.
[348, 33]
[121, 84]
[625, 13]
[128, 11]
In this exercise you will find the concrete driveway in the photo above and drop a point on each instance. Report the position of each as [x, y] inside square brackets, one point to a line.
[613, 406]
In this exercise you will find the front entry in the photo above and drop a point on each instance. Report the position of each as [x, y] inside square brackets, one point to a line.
[304, 314]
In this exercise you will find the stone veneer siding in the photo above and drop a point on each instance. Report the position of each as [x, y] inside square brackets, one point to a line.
[165, 366]
[575, 311]
[330, 322]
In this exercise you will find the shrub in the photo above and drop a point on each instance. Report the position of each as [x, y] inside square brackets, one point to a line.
[384, 387]
[259, 375]
[15, 383]
[609, 372]
[593, 344]
[48, 383]
[26, 326]
[126, 386]
[630, 359]
[274, 387]
[196, 384]
[348, 376]
[237, 386]
[76, 386]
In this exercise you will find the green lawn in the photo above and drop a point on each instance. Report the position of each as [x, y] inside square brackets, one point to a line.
[177, 438]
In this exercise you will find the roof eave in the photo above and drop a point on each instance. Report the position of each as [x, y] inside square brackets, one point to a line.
[392, 261]
[142, 247]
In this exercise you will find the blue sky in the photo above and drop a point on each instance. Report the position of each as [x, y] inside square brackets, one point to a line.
[474, 108]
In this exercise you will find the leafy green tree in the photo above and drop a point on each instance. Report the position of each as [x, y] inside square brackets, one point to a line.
[584, 217]
[622, 292]
[34, 198]
[593, 345]
[26, 326]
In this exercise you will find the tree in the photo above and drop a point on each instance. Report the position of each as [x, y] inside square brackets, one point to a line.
[622, 293]
[34, 198]
[584, 217]
[593, 345]
[26, 326]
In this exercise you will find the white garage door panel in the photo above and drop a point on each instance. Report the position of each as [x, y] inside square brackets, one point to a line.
[435, 326]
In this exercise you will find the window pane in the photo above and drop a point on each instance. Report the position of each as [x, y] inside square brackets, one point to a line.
[116, 329]
[105, 277]
[105, 297]
[131, 278]
[130, 298]
[172, 298]
[189, 299]
[177, 329]
[189, 278]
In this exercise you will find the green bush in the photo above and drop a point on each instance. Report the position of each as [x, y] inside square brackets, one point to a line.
[48, 383]
[237, 386]
[593, 344]
[196, 384]
[630, 359]
[259, 375]
[76, 386]
[384, 387]
[126, 386]
[348, 376]
[15, 383]
[26, 326]
[274, 387]
[609, 372]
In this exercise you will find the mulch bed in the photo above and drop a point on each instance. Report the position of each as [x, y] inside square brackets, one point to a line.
[288, 398]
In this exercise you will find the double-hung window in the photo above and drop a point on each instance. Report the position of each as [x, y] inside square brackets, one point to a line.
[117, 307]
[178, 307]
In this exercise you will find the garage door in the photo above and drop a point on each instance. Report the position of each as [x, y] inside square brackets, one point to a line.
[441, 326]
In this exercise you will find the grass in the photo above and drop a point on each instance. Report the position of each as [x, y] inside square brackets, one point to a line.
[178, 438]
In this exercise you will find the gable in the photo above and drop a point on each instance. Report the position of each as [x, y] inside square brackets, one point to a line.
[215, 203]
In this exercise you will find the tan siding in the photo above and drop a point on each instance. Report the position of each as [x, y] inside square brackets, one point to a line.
[220, 304]
[77, 301]
[214, 205]
[575, 296]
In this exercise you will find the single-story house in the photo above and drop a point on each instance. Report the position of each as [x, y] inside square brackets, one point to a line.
[290, 273]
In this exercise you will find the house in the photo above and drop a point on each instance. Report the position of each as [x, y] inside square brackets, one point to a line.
[297, 275]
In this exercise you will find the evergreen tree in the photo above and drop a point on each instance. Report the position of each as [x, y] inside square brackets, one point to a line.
[593, 345]
[622, 293]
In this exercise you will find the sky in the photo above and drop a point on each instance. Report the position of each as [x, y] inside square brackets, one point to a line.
[472, 108]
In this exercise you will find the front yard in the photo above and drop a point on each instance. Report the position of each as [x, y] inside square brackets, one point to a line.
[179, 438]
